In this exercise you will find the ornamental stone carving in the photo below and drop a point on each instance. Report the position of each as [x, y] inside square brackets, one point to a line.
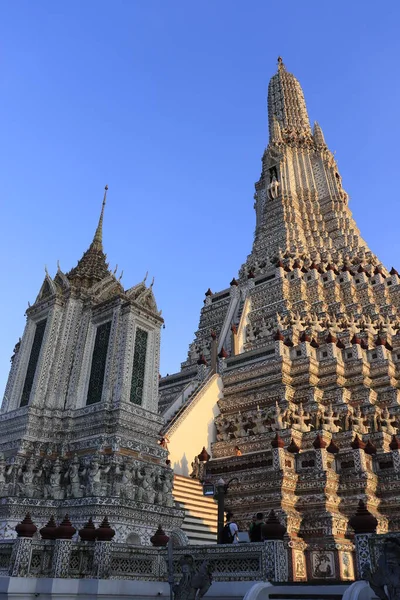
[316, 358]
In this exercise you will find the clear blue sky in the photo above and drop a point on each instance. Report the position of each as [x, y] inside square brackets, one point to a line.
[165, 101]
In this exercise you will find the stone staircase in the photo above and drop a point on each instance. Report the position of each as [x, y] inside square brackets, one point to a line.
[173, 411]
[200, 522]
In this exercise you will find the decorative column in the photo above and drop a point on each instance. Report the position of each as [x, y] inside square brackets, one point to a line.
[20, 561]
[222, 356]
[103, 550]
[203, 457]
[278, 453]
[276, 556]
[62, 548]
[61, 558]
[276, 561]
[202, 368]
[364, 525]
[102, 559]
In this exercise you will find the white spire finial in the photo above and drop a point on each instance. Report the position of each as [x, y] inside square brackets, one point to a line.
[98, 236]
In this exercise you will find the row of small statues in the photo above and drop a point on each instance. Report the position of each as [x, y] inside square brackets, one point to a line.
[387, 324]
[37, 478]
[261, 330]
[276, 419]
[320, 256]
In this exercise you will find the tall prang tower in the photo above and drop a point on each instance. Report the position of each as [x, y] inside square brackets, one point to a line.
[79, 422]
[303, 351]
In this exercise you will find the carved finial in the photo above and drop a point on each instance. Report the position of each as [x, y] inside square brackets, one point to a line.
[120, 277]
[280, 63]
[98, 236]
[58, 265]
[45, 270]
[116, 269]
[318, 135]
[152, 282]
[145, 277]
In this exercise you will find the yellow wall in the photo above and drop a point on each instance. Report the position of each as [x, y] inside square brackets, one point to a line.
[195, 427]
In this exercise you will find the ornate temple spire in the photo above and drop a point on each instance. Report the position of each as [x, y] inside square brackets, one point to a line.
[286, 101]
[98, 236]
[318, 135]
[92, 267]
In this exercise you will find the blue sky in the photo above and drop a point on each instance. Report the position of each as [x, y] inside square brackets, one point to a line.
[165, 101]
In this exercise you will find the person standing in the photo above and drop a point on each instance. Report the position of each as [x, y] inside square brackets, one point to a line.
[230, 531]
[253, 522]
[255, 533]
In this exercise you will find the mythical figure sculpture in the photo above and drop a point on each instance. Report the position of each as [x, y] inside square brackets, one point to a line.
[250, 337]
[182, 590]
[195, 474]
[374, 421]
[358, 421]
[4, 472]
[140, 490]
[280, 421]
[232, 430]
[145, 491]
[127, 482]
[201, 581]
[168, 484]
[219, 429]
[265, 329]
[148, 484]
[159, 483]
[385, 580]
[259, 425]
[388, 422]
[28, 487]
[241, 431]
[192, 585]
[330, 419]
[75, 487]
[94, 486]
[301, 417]
[53, 488]
[223, 435]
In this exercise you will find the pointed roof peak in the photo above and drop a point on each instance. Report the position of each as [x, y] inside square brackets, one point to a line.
[92, 267]
[318, 135]
[98, 236]
[286, 102]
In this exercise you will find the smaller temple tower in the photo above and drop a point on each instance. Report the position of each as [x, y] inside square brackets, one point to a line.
[79, 422]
